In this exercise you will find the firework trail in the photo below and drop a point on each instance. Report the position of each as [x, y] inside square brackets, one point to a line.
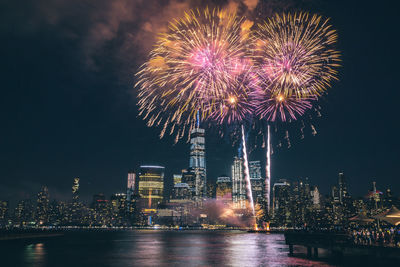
[247, 173]
[268, 172]
[197, 66]
[294, 54]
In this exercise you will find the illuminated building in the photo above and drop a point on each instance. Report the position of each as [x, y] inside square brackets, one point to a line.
[224, 189]
[281, 202]
[238, 184]
[177, 178]
[42, 206]
[3, 212]
[335, 194]
[343, 193]
[75, 207]
[189, 177]
[257, 182]
[130, 193]
[24, 213]
[118, 207]
[198, 161]
[102, 210]
[151, 186]
[255, 169]
[75, 190]
[316, 198]
[181, 191]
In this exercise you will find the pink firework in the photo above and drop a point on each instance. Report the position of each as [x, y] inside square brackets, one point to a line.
[280, 107]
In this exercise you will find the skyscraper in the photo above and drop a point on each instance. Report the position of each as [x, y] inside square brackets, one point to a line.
[189, 177]
[198, 161]
[255, 169]
[281, 197]
[75, 190]
[151, 186]
[257, 182]
[130, 186]
[238, 184]
[224, 189]
[130, 192]
[75, 208]
[343, 193]
[42, 207]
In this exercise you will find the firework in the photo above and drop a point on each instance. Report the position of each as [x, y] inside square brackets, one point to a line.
[280, 107]
[294, 54]
[238, 105]
[193, 69]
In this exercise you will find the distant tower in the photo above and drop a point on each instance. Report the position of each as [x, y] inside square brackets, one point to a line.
[316, 198]
[42, 208]
[75, 190]
[130, 186]
[198, 161]
[238, 184]
[343, 193]
[130, 191]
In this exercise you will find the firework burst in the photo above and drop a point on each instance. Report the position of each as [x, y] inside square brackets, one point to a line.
[193, 69]
[280, 107]
[295, 56]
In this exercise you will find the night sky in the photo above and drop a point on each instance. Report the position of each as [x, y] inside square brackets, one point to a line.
[68, 107]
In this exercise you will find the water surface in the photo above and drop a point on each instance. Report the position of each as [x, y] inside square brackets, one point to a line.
[155, 248]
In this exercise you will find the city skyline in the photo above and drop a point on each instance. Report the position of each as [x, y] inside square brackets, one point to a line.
[94, 133]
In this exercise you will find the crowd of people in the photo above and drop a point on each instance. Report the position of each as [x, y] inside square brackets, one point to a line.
[380, 237]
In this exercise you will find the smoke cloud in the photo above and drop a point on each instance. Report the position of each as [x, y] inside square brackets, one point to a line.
[119, 32]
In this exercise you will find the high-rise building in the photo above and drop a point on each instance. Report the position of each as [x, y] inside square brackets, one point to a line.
[189, 178]
[75, 208]
[130, 193]
[3, 212]
[238, 184]
[198, 161]
[224, 189]
[75, 190]
[118, 206]
[130, 186]
[177, 178]
[316, 198]
[151, 186]
[335, 194]
[343, 193]
[257, 183]
[42, 206]
[181, 191]
[255, 169]
[281, 198]
[102, 210]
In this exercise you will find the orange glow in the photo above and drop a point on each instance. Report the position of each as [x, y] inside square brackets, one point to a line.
[267, 228]
[232, 100]
[150, 199]
[280, 98]
[255, 227]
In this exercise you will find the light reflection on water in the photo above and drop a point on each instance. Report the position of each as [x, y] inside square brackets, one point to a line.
[160, 248]
[34, 255]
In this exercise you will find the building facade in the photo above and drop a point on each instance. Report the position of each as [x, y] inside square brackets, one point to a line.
[151, 186]
[197, 162]
[238, 184]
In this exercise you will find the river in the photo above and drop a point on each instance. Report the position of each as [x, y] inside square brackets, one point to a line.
[155, 248]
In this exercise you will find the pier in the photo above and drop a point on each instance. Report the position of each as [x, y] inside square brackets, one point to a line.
[339, 245]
